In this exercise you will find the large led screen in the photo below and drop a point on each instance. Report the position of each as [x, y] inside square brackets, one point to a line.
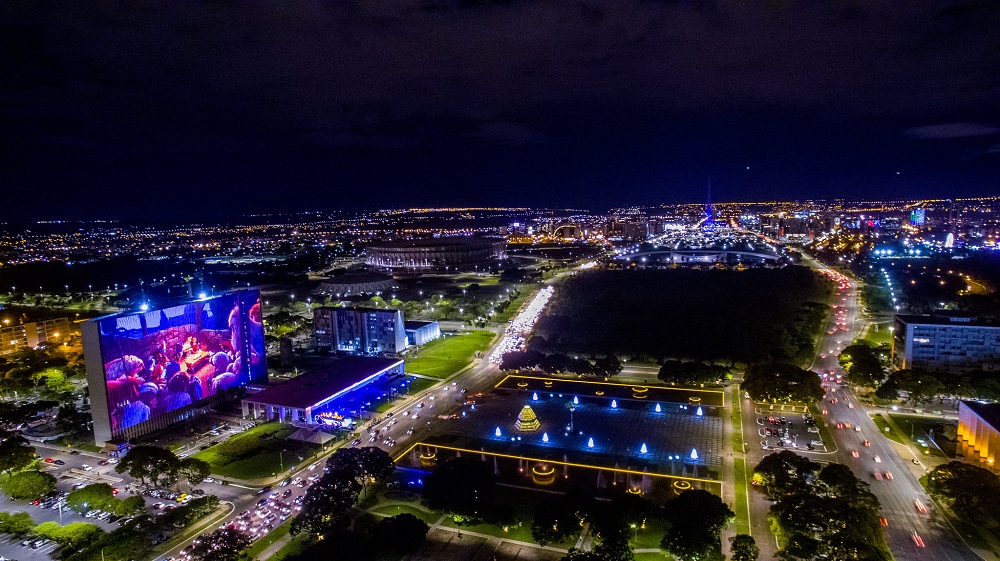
[159, 361]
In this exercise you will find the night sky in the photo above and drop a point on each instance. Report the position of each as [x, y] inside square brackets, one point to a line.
[174, 110]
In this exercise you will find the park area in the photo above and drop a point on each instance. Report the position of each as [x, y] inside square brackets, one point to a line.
[715, 315]
[259, 452]
[447, 355]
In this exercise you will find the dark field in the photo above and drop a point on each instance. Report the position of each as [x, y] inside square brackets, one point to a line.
[722, 315]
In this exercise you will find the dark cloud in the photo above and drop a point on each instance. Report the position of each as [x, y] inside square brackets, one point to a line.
[952, 130]
[625, 93]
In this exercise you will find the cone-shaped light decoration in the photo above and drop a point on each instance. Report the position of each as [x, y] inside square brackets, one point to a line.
[545, 437]
[643, 449]
[497, 432]
[614, 404]
[590, 443]
[694, 454]
[658, 409]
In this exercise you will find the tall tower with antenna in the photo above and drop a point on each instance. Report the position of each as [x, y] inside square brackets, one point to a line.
[709, 215]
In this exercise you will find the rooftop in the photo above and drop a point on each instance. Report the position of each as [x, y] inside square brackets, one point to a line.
[416, 324]
[949, 318]
[316, 386]
[989, 412]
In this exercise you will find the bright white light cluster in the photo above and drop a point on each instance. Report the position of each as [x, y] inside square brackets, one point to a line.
[521, 326]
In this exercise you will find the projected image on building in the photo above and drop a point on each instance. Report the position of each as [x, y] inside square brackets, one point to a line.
[161, 361]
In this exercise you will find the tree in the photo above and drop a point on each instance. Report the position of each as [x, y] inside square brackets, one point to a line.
[838, 480]
[16, 524]
[131, 506]
[862, 364]
[96, 496]
[70, 419]
[193, 470]
[608, 366]
[781, 382]
[695, 518]
[555, 520]
[462, 487]
[367, 463]
[784, 473]
[400, 534]
[328, 503]
[972, 492]
[74, 535]
[743, 548]
[224, 544]
[15, 454]
[126, 543]
[156, 464]
[28, 485]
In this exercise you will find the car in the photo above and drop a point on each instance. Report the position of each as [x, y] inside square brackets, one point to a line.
[59, 462]
[264, 489]
[284, 483]
[840, 425]
[103, 463]
[817, 443]
[356, 442]
[855, 454]
[883, 521]
[919, 505]
[49, 460]
[917, 540]
[115, 490]
[74, 453]
[877, 475]
[857, 428]
[313, 466]
[888, 475]
[157, 506]
[87, 467]
[209, 480]
[866, 443]
[878, 460]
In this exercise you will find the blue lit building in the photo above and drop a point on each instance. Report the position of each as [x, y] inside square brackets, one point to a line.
[336, 395]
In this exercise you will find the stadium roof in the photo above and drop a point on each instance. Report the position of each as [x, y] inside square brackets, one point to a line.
[315, 387]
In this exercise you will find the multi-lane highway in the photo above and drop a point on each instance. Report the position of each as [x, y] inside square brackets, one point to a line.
[911, 516]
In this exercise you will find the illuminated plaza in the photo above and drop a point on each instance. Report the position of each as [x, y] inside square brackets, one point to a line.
[609, 443]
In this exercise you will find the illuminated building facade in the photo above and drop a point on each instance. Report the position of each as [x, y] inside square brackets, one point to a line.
[19, 337]
[362, 330]
[946, 343]
[978, 435]
[437, 253]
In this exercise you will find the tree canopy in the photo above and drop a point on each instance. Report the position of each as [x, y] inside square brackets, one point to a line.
[774, 382]
[973, 493]
[462, 487]
[694, 521]
[28, 485]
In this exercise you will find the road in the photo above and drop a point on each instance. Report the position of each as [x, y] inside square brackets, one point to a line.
[899, 494]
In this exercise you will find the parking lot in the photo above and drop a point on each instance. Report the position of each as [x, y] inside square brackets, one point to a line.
[791, 431]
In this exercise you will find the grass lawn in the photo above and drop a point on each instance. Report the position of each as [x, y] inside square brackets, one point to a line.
[263, 449]
[882, 336]
[650, 536]
[297, 545]
[737, 419]
[524, 292]
[449, 354]
[824, 431]
[650, 557]
[919, 427]
[885, 429]
[393, 510]
[523, 502]
[258, 547]
[741, 506]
